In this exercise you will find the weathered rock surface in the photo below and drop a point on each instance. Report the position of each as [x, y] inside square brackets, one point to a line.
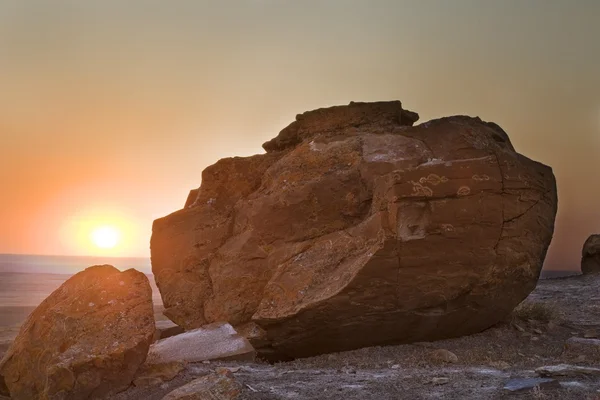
[577, 346]
[357, 229]
[590, 255]
[86, 340]
[3, 388]
[220, 385]
[567, 370]
[380, 117]
[218, 341]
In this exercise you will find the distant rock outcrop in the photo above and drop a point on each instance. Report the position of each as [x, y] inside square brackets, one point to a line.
[86, 340]
[357, 228]
[590, 255]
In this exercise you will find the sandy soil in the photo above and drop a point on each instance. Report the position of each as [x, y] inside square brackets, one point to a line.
[531, 338]
[486, 361]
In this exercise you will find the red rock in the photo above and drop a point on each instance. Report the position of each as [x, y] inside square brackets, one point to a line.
[590, 255]
[86, 340]
[357, 229]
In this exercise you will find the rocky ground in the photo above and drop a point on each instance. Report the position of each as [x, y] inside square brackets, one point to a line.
[473, 367]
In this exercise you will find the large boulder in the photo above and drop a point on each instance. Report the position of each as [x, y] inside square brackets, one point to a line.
[590, 255]
[86, 340]
[356, 229]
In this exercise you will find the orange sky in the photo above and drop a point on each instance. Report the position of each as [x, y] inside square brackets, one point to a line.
[109, 112]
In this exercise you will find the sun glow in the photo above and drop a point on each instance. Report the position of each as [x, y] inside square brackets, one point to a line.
[105, 237]
[104, 231]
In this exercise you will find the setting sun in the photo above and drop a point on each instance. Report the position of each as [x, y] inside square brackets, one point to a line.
[105, 237]
[104, 230]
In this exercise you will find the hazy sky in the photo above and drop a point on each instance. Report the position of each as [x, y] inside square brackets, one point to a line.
[110, 110]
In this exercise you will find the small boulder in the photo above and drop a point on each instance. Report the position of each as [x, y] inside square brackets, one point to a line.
[86, 340]
[576, 346]
[590, 255]
[444, 355]
[218, 341]
[591, 333]
[220, 385]
[165, 329]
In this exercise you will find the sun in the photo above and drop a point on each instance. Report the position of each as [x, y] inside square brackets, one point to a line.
[106, 237]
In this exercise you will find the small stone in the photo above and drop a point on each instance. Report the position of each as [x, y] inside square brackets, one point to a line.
[521, 384]
[538, 331]
[233, 370]
[519, 328]
[444, 355]
[581, 345]
[152, 375]
[440, 381]
[535, 338]
[215, 386]
[500, 364]
[395, 366]
[254, 390]
[567, 370]
[205, 362]
[590, 333]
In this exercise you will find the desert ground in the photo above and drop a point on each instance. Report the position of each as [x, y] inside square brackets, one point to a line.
[533, 337]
